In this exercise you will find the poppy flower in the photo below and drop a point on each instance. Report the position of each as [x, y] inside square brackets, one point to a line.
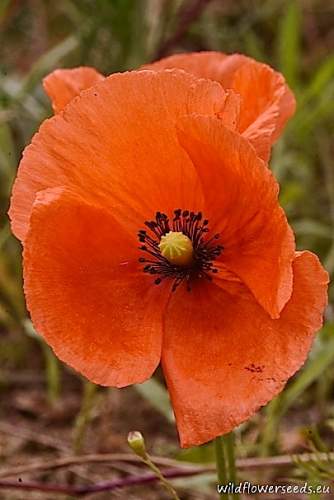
[262, 101]
[152, 233]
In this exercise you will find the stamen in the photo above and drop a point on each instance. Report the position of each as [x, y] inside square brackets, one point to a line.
[179, 250]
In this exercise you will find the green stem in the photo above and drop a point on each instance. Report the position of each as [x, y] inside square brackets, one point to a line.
[225, 459]
[163, 481]
[85, 414]
[52, 375]
[229, 441]
[221, 463]
[137, 444]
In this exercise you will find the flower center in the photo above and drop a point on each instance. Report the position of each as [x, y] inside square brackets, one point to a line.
[180, 249]
[177, 248]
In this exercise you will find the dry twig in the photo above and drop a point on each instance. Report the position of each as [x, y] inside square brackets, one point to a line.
[175, 470]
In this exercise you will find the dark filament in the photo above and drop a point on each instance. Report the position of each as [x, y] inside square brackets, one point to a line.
[206, 250]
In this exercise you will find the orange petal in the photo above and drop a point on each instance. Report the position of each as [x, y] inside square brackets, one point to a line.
[242, 206]
[86, 296]
[266, 100]
[118, 139]
[211, 65]
[230, 114]
[62, 85]
[267, 104]
[224, 358]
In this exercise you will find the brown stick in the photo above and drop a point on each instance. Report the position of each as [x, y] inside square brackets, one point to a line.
[188, 15]
[59, 463]
[242, 464]
[100, 487]
[171, 473]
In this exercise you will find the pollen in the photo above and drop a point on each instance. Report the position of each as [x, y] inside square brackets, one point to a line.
[177, 248]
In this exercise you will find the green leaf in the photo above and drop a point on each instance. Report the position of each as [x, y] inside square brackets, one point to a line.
[289, 37]
[314, 368]
[322, 77]
[312, 227]
[7, 152]
[198, 454]
[47, 62]
[157, 396]
[309, 117]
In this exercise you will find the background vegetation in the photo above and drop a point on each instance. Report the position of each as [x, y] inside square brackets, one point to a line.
[48, 412]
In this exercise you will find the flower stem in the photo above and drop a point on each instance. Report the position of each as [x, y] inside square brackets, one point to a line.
[225, 459]
[137, 444]
[85, 414]
[229, 447]
[221, 463]
[52, 375]
[162, 479]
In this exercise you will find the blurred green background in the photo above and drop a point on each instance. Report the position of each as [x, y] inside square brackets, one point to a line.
[41, 396]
